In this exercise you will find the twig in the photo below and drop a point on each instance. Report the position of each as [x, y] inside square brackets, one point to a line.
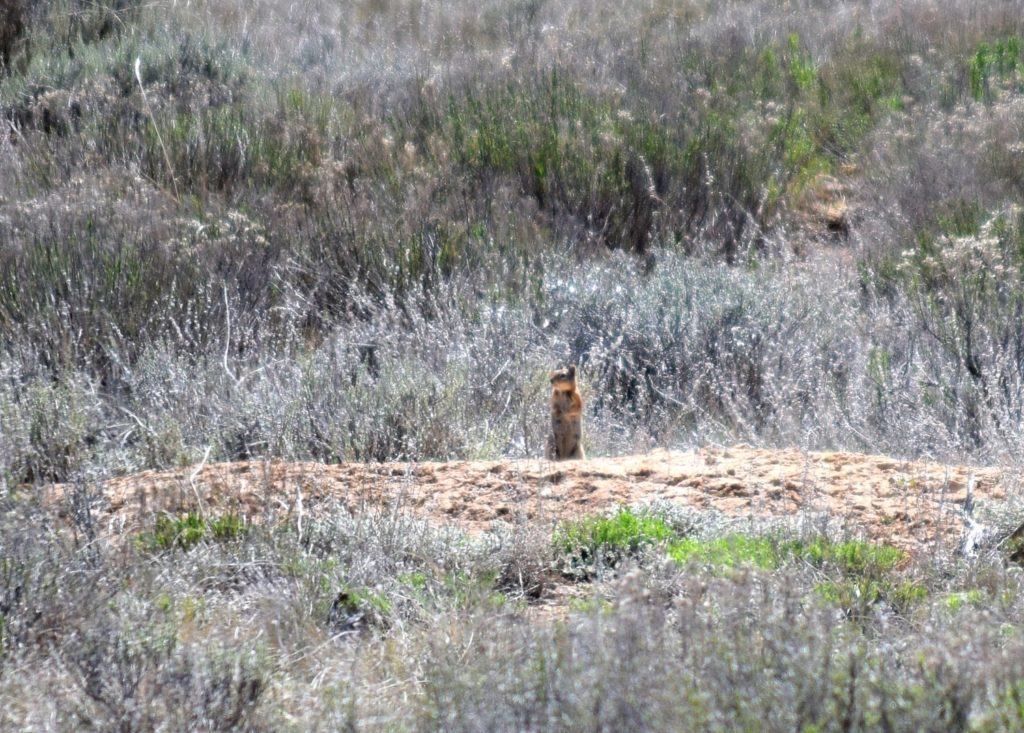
[156, 128]
[227, 337]
[298, 508]
[192, 481]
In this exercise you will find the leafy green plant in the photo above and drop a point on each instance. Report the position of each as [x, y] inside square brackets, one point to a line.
[961, 599]
[802, 70]
[595, 540]
[226, 527]
[856, 595]
[355, 607]
[176, 532]
[1000, 60]
[852, 557]
[730, 551]
[862, 570]
[865, 576]
[187, 531]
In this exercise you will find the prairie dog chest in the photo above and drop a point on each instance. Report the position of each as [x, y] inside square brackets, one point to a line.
[565, 403]
[566, 417]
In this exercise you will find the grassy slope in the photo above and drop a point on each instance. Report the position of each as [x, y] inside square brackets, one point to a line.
[259, 254]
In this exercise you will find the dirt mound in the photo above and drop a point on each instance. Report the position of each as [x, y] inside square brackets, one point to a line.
[904, 503]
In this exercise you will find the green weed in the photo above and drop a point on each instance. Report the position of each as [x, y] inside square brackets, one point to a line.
[856, 595]
[185, 532]
[954, 602]
[852, 557]
[361, 600]
[999, 60]
[595, 540]
[731, 551]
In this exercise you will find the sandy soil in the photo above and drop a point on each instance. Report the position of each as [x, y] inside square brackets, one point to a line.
[903, 503]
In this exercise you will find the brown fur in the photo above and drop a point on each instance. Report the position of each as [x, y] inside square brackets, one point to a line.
[566, 417]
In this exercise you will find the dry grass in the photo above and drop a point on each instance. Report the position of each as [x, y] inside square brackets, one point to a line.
[366, 230]
[378, 621]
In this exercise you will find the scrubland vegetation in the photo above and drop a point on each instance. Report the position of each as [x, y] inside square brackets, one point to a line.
[365, 229]
[380, 622]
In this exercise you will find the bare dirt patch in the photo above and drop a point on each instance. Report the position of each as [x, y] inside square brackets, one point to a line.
[904, 503]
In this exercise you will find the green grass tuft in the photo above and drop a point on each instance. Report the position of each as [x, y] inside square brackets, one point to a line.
[991, 62]
[730, 551]
[954, 602]
[226, 527]
[185, 532]
[596, 540]
[853, 557]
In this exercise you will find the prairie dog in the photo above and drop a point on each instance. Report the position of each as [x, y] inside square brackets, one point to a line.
[566, 417]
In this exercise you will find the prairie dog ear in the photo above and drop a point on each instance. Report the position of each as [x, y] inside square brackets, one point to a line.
[572, 372]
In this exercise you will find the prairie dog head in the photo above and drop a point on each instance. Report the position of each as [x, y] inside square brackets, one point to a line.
[563, 380]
